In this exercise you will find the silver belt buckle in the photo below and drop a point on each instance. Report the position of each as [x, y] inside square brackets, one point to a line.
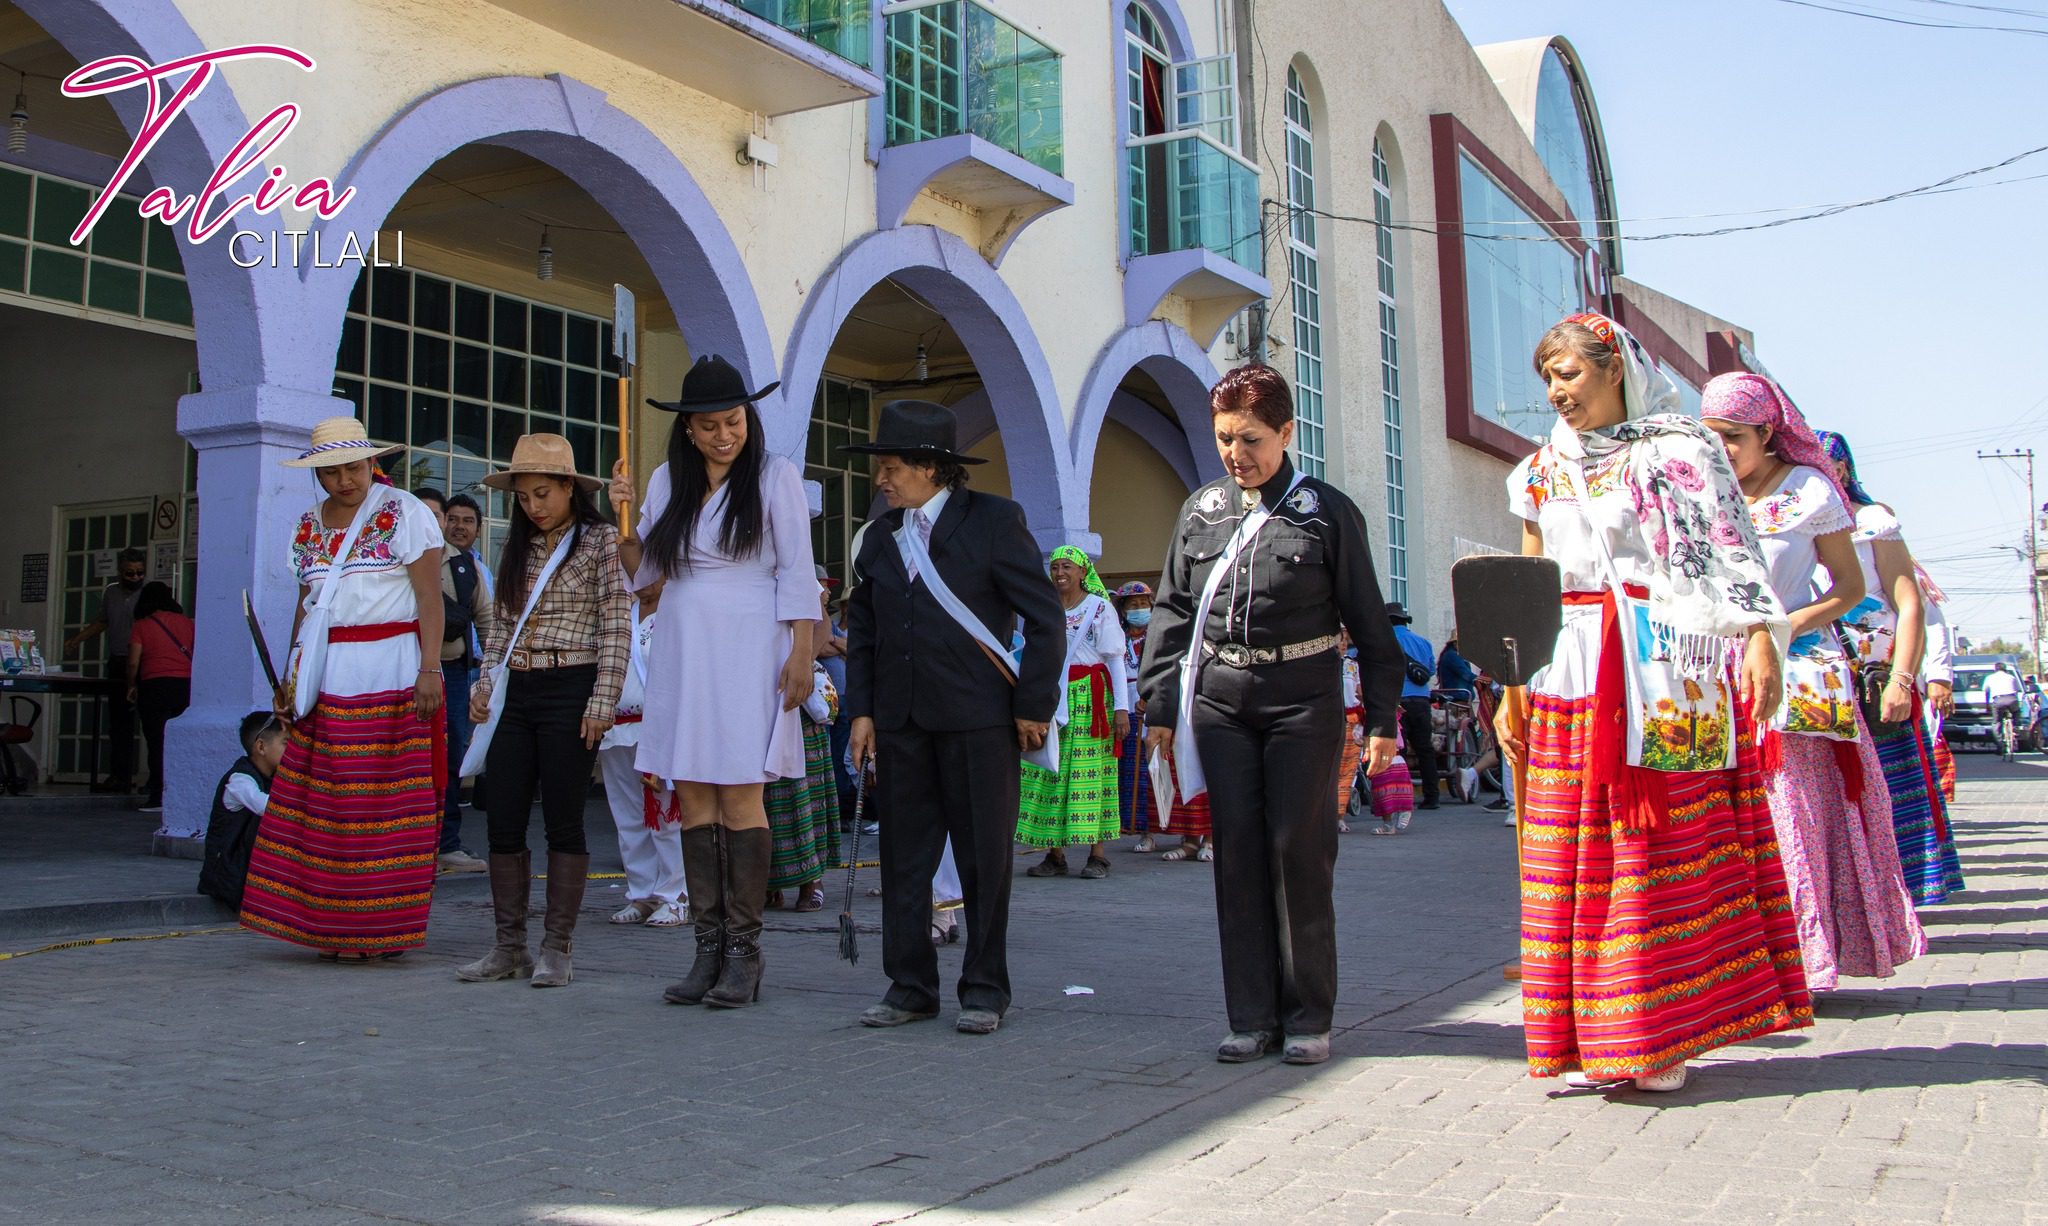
[1236, 655]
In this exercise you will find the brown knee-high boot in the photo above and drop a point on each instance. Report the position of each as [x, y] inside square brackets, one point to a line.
[566, 875]
[704, 876]
[747, 857]
[511, 879]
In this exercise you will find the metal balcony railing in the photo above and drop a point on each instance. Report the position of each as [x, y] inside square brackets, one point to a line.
[839, 26]
[956, 66]
[1188, 192]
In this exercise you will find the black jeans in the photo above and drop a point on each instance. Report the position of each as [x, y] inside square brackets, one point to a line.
[539, 746]
[158, 701]
[1271, 737]
[119, 765]
[935, 784]
[456, 676]
[1418, 729]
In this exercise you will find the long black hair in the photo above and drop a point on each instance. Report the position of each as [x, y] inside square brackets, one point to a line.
[689, 483]
[156, 598]
[512, 578]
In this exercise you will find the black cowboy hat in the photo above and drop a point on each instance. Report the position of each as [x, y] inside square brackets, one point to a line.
[712, 386]
[1396, 614]
[916, 430]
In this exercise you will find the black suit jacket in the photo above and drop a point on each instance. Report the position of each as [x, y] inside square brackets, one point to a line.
[907, 662]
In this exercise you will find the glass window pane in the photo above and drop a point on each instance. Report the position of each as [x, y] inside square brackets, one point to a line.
[115, 288]
[354, 348]
[466, 476]
[472, 428]
[164, 255]
[56, 274]
[430, 361]
[387, 411]
[545, 379]
[581, 397]
[472, 314]
[472, 372]
[508, 322]
[59, 208]
[388, 356]
[432, 299]
[506, 427]
[583, 439]
[508, 378]
[13, 265]
[166, 299]
[350, 390]
[358, 294]
[547, 333]
[429, 421]
[15, 191]
[582, 347]
[391, 294]
[117, 235]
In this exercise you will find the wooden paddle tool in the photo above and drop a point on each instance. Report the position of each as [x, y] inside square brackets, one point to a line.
[1510, 610]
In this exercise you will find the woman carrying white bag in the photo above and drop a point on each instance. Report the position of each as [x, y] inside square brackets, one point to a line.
[344, 855]
[549, 692]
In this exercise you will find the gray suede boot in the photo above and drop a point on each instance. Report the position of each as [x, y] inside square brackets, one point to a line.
[510, 880]
[566, 875]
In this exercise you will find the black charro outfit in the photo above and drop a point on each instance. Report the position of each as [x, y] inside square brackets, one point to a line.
[1271, 734]
[946, 759]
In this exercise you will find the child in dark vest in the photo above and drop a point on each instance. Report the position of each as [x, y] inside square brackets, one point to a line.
[238, 803]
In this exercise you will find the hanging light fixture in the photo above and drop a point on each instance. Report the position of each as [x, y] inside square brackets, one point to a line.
[17, 122]
[921, 371]
[546, 271]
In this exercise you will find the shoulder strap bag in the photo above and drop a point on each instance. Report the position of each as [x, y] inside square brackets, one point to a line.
[312, 645]
[480, 738]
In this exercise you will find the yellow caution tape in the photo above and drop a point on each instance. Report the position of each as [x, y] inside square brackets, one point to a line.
[152, 936]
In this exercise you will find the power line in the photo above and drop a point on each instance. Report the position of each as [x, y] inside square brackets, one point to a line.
[1908, 21]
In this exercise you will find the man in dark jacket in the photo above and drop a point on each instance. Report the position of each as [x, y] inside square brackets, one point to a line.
[939, 709]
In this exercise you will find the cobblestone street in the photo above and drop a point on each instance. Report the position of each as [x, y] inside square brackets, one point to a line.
[223, 1077]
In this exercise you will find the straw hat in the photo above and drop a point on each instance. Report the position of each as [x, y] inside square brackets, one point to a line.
[339, 440]
[543, 455]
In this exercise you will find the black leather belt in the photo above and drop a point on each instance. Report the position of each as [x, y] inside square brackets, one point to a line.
[1243, 655]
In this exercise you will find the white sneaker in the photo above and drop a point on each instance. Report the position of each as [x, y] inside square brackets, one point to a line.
[460, 861]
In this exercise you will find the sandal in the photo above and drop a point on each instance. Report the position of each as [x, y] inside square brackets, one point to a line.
[775, 900]
[1144, 845]
[667, 915]
[1401, 822]
[1186, 851]
[947, 933]
[1343, 827]
[1054, 865]
[1385, 828]
[1096, 869]
[635, 911]
[1207, 854]
[810, 896]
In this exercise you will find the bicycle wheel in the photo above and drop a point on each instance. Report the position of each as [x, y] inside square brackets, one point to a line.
[1464, 752]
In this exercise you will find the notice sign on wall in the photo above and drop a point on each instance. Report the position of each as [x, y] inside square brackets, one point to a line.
[35, 578]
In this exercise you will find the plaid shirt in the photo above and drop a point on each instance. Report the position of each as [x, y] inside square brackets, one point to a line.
[586, 605]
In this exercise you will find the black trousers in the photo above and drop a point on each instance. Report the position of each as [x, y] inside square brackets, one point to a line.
[1418, 729]
[1271, 737]
[539, 747]
[158, 701]
[932, 785]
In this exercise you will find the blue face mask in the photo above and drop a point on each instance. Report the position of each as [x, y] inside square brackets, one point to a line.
[1139, 617]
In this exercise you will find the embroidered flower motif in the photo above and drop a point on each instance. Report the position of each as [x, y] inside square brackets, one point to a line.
[1685, 475]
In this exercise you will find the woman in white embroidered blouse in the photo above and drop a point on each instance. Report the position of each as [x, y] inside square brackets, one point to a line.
[1629, 495]
[1829, 803]
[1078, 806]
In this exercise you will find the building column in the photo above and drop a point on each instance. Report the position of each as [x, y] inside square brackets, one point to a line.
[249, 505]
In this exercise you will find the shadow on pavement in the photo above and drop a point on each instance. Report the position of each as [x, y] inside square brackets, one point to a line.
[1956, 1064]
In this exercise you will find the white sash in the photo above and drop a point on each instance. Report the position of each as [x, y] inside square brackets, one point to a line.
[1080, 635]
[1046, 755]
[480, 738]
[1187, 762]
[312, 662]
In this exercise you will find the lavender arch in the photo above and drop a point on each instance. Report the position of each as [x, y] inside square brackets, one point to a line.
[224, 297]
[570, 126]
[1182, 371]
[953, 278]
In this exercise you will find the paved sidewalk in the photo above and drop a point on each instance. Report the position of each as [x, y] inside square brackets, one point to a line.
[228, 1078]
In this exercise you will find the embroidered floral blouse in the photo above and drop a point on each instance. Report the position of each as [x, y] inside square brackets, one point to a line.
[378, 590]
[1667, 509]
[1789, 522]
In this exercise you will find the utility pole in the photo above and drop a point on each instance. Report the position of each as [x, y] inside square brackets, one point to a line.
[2033, 543]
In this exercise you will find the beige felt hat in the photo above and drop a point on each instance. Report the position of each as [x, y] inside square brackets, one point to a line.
[339, 440]
[544, 455]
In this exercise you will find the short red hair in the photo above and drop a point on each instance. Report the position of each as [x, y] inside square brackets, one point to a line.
[1254, 388]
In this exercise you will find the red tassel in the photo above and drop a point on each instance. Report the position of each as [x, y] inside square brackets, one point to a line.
[651, 811]
[1640, 799]
[1771, 753]
[1850, 764]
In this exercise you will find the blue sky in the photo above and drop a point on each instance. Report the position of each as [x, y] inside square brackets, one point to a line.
[1915, 328]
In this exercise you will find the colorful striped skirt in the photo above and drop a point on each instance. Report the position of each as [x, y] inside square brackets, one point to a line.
[803, 815]
[1393, 790]
[1641, 950]
[1927, 849]
[344, 855]
[1078, 806]
[1347, 765]
[1188, 819]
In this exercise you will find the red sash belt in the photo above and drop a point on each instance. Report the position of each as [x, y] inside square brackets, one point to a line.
[633, 718]
[371, 634]
[1097, 677]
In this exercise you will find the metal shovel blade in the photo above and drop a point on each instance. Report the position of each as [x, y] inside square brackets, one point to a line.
[1510, 609]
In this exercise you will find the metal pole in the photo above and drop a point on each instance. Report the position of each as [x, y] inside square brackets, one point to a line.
[2033, 544]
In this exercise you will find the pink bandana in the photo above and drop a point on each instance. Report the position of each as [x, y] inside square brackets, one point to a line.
[1752, 400]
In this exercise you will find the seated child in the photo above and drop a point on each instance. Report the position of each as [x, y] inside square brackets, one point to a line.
[238, 803]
